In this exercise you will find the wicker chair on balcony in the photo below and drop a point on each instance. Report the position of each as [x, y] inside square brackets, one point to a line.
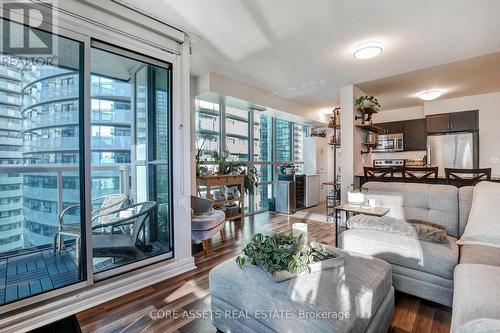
[108, 203]
[124, 235]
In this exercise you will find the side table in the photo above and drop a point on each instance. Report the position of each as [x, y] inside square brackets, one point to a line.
[356, 209]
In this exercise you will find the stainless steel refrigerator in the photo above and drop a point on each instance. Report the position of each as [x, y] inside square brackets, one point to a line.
[454, 150]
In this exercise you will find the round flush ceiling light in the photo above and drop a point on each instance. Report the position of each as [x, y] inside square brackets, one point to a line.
[367, 50]
[429, 95]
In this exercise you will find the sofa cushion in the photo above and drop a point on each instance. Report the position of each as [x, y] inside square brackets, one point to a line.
[427, 202]
[207, 221]
[483, 227]
[465, 194]
[435, 258]
[475, 301]
[480, 254]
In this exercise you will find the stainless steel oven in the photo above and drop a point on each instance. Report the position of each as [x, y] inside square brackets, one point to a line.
[389, 142]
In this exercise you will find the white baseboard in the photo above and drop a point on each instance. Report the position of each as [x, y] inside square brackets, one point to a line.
[24, 320]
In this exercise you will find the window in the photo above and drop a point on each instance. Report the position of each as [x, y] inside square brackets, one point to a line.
[283, 141]
[207, 127]
[299, 133]
[130, 139]
[29, 208]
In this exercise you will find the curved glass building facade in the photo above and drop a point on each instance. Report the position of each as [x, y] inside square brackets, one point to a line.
[39, 126]
[11, 217]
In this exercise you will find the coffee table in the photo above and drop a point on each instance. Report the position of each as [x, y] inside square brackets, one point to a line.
[249, 300]
[357, 209]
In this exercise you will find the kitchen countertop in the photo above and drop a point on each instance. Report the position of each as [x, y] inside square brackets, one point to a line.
[442, 177]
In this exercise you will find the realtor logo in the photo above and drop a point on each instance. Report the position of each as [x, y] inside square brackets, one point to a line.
[27, 28]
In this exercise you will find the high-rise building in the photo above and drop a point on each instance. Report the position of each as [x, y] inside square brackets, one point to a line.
[11, 218]
[39, 128]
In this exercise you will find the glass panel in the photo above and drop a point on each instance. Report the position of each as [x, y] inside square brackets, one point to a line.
[283, 139]
[237, 133]
[131, 160]
[298, 142]
[263, 134]
[265, 172]
[40, 172]
[264, 193]
[207, 127]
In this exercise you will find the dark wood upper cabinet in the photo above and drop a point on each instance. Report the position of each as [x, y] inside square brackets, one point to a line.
[391, 128]
[453, 122]
[439, 123]
[464, 121]
[415, 135]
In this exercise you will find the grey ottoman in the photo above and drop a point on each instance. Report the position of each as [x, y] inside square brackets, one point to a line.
[355, 298]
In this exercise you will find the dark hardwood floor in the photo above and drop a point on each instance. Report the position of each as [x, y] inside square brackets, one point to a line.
[190, 292]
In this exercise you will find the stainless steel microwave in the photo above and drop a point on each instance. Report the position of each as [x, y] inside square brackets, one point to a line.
[389, 143]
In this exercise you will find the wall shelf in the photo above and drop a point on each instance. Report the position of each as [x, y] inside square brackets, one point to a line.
[370, 128]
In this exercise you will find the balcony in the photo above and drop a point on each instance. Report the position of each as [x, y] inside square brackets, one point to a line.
[51, 94]
[112, 90]
[51, 144]
[8, 124]
[28, 264]
[45, 72]
[10, 73]
[111, 116]
[52, 119]
[12, 86]
[110, 143]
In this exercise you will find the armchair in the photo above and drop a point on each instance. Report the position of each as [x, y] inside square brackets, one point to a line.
[205, 221]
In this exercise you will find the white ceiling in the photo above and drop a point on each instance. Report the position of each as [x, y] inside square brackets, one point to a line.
[472, 76]
[302, 50]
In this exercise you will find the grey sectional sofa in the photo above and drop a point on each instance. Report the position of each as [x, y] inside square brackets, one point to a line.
[467, 278]
[420, 268]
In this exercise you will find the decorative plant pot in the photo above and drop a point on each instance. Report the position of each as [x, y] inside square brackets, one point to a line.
[334, 261]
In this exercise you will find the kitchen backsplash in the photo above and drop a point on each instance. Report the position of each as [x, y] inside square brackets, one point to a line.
[411, 155]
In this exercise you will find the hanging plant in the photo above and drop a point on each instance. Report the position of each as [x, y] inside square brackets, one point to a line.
[367, 102]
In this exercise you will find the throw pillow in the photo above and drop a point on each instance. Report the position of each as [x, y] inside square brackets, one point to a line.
[483, 226]
[421, 230]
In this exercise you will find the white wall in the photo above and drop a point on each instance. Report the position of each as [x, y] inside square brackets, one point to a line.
[416, 112]
[489, 123]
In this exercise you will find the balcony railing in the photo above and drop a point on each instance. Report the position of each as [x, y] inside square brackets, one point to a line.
[10, 73]
[112, 116]
[51, 119]
[52, 196]
[51, 94]
[114, 89]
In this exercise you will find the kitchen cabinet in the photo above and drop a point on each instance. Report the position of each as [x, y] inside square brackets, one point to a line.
[453, 122]
[439, 123]
[464, 121]
[415, 134]
[391, 128]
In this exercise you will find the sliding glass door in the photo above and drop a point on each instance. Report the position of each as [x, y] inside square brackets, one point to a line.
[85, 163]
[41, 170]
[131, 198]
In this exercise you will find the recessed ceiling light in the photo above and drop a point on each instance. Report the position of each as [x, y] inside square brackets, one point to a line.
[367, 50]
[429, 95]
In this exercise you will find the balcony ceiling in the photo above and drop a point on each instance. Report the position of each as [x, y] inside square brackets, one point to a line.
[302, 50]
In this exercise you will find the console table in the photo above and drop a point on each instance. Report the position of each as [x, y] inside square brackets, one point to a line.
[226, 180]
